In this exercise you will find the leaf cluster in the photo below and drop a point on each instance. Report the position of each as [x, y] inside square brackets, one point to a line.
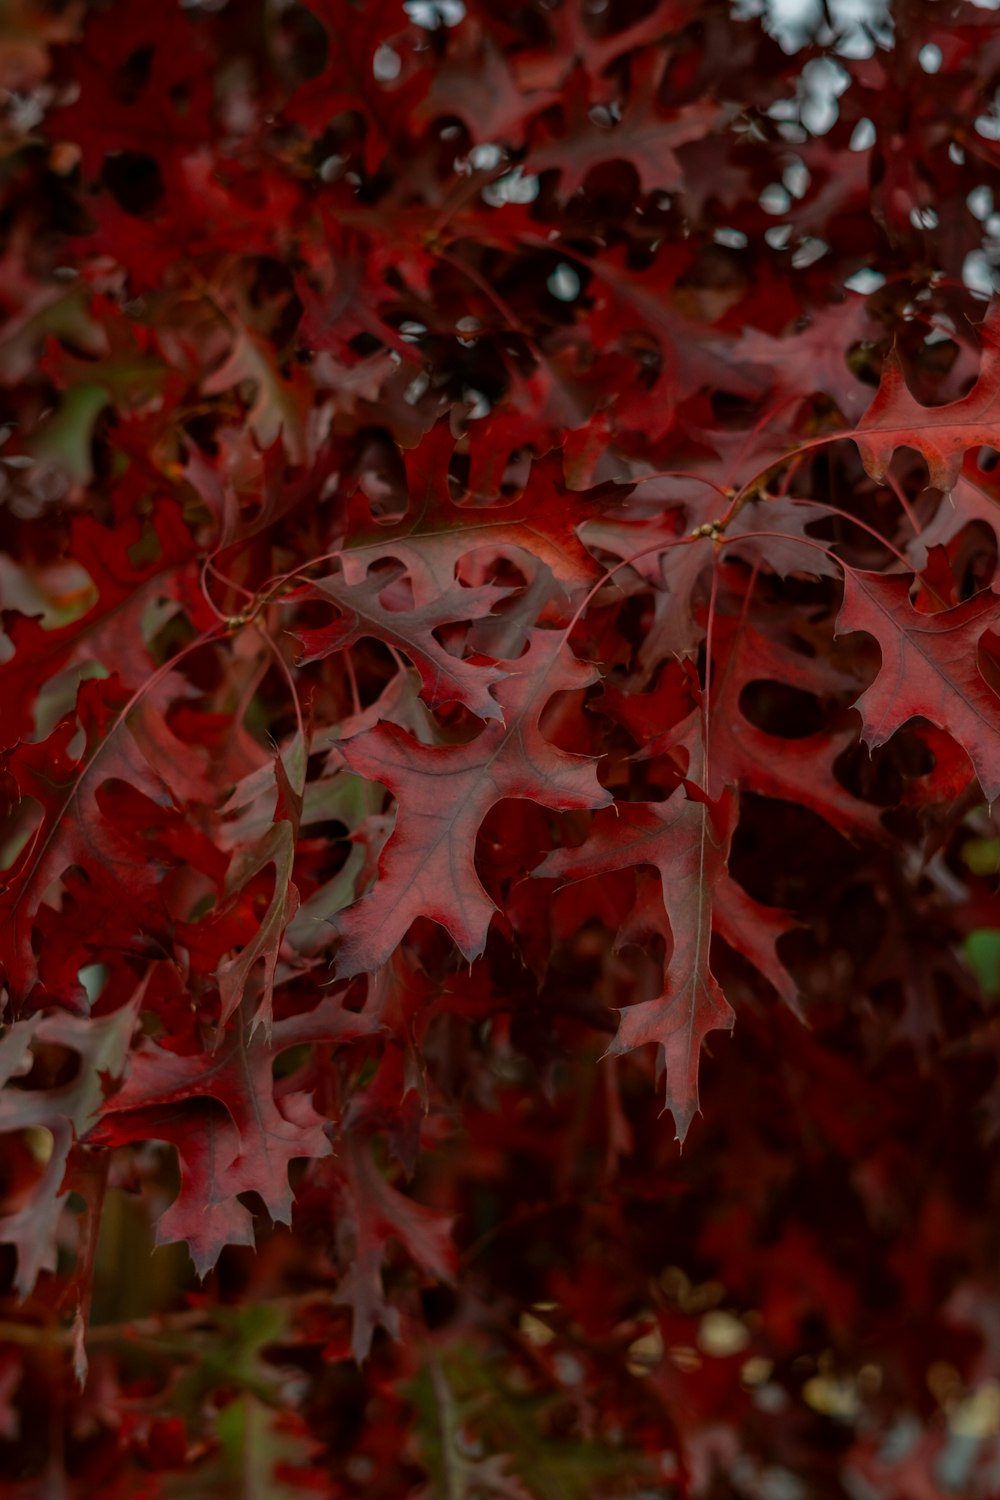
[498, 551]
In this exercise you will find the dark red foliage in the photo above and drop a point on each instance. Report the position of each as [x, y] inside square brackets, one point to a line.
[498, 569]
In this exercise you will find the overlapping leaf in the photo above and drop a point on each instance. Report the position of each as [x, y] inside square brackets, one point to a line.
[427, 868]
[686, 840]
[942, 434]
[930, 667]
[244, 1143]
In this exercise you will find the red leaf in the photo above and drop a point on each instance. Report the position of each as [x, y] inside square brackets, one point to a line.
[244, 1146]
[929, 669]
[643, 136]
[686, 839]
[943, 434]
[445, 678]
[66, 1111]
[377, 1212]
[73, 829]
[427, 869]
[110, 631]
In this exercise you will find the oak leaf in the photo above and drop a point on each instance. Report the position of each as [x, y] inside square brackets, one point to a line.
[246, 1137]
[686, 840]
[66, 1111]
[942, 434]
[427, 868]
[930, 667]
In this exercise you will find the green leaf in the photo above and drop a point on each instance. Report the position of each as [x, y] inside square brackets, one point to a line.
[478, 1435]
[982, 856]
[982, 953]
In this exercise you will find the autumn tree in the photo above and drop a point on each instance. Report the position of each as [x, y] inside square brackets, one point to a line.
[498, 544]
